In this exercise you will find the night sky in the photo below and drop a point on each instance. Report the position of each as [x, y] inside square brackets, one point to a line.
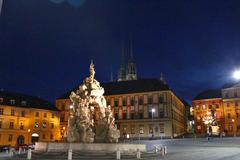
[46, 45]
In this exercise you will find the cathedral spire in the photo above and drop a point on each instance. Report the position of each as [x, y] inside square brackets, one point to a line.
[122, 71]
[131, 67]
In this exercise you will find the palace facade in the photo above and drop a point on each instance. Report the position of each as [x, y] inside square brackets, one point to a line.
[224, 105]
[26, 119]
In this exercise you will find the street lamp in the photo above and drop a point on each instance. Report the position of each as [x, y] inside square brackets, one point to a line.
[153, 111]
[236, 74]
[29, 130]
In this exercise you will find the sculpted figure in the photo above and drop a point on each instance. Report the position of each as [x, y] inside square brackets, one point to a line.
[90, 119]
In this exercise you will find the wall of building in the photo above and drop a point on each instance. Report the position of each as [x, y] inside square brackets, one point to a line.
[19, 121]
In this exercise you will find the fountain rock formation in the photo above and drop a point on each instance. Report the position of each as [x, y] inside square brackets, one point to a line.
[90, 119]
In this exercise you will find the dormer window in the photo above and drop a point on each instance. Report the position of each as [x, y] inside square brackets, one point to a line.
[12, 101]
[1, 100]
[24, 103]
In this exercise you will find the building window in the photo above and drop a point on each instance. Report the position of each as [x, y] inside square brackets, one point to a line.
[43, 136]
[204, 107]
[226, 95]
[150, 129]
[62, 118]
[44, 125]
[51, 136]
[161, 112]
[10, 137]
[115, 102]
[235, 94]
[1, 100]
[36, 125]
[161, 127]
[230, 128]
[1, 111]
[22, 113]
[237, 115]
[124, 102]
[11, 125]
[141, 129]
[53, 115]
[24, 103]
[124, 115]
[0, 124]
[63, 107]
[229, 115]
[132, 129]
[12, 112]
[236, 104]
[160, 99]
[132, 101]
[140, 101]
[156, 129]
[36, 114]
[12, 101]
[116, 116]
[150, 100]
[52, 125]
[21, 126]
[45, 115]
[140, 115]
[228, 104]
[132, 115]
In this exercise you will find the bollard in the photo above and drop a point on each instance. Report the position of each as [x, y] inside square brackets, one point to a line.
[118, 154]
[70, 154]
[10, 152]
[29, 154]
[165, 150]
[162, 151]
[138, 154]
[156, 149]
[20, 150]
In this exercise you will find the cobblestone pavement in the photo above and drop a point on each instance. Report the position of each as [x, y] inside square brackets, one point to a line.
[177, 149]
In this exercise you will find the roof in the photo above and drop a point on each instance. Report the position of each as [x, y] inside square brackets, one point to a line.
[230, 85]
[132, 86]
[30, 101]
[212, 93]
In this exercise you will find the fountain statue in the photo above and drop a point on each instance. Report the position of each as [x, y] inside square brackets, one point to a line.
[90, 119]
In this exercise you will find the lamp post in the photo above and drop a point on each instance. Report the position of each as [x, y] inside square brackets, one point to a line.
[153, 111]
[29, 130]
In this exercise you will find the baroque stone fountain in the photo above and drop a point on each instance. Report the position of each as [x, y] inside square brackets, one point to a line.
[91, 124]
[90, 119]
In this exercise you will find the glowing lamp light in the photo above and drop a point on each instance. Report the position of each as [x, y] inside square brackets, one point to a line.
[71, 106]
[233, 120]
[127, 136]
[236, 75]
[153, 110]
[29, 130]
[64, 128]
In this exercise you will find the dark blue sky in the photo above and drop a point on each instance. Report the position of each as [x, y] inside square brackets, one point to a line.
[46, 48]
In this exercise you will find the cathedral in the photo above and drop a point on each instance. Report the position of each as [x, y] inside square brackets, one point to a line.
[129, 71]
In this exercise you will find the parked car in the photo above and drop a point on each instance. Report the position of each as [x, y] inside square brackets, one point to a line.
[4, 148]
[31, 146]
[23, 146]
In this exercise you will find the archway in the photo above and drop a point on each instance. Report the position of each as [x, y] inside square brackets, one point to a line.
[35, 137]
[20, 140]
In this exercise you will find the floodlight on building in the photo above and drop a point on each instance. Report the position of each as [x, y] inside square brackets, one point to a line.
[153, 110]
[236, 74]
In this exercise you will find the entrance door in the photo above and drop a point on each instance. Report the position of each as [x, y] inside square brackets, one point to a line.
[20, 140]
[35, 137]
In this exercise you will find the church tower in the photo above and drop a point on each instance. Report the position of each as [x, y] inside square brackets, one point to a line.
[122, 71]
[131, 67]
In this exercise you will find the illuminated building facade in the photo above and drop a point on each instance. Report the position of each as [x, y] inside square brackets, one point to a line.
[143, 108]
[26, 119]
[224, 105]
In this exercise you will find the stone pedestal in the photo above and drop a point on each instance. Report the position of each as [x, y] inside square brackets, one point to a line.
[89, 147]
